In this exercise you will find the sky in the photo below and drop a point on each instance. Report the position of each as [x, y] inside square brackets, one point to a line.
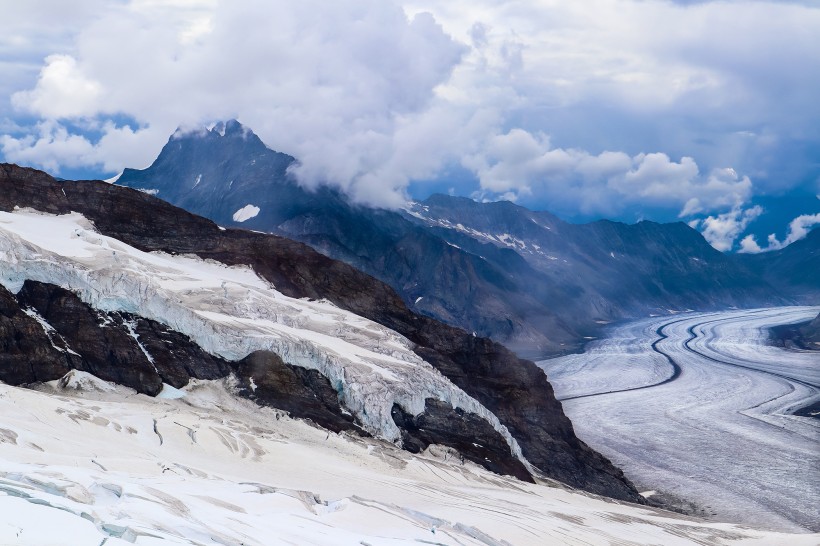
[705, 112]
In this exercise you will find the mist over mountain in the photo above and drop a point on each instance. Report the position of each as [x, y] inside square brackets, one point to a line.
[526, 279]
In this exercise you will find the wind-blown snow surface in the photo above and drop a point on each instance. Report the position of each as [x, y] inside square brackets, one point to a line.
[698, 407]
[88, 463]
[230, 312]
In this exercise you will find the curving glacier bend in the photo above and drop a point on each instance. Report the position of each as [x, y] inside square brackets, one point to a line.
[698, 408]
[231, 312]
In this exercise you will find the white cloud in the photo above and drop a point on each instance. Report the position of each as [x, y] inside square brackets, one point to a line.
[62, 91]
[371, 94]
[748, 245]
[520, 163]
[798, 229]
[53, 147]
[722, 230]
[643, 76]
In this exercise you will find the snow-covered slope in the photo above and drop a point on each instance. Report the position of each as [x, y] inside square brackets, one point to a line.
[103, 465]
[230, 312]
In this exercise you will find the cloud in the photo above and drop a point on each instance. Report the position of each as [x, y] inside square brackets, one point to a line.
[748, 245]
[519, 163]
[61, 91]
[54, 147]
[798, 229]
[722, 231]
[642, 76]
[623, 102]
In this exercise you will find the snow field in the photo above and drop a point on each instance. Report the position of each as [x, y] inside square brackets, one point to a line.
[92, 463]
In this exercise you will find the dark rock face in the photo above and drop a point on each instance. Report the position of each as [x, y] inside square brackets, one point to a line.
[520, 397]
[468, 433]
[804, 336]
[266, 379]
[515, 390]
[27, 355]
[176, 357]
[107, 350]
[810, 334]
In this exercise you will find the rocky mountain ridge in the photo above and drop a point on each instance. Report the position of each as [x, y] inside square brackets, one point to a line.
[514, 390]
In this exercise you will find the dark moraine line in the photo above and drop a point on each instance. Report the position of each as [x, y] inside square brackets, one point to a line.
[718, 361]
[676, 369]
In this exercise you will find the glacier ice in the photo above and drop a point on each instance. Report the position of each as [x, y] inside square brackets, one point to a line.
[231, 312]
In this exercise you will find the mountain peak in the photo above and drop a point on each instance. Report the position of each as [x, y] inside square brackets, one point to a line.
[230, 128]
[221, 129]
[184, 132]
[223, 139]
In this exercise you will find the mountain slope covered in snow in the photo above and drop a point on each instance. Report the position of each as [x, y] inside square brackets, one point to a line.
[242, 296]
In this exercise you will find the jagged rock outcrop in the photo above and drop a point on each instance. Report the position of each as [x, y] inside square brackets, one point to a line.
[269, 381]
[804, 336]
[469, 434]
[108, 351]
[514, 389]
[28, 354]
[176, 357]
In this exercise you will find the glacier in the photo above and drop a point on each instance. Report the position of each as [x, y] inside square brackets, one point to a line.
[231, 312]
[716, 435]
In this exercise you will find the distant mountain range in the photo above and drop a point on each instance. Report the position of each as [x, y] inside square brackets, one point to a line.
[526, 279]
